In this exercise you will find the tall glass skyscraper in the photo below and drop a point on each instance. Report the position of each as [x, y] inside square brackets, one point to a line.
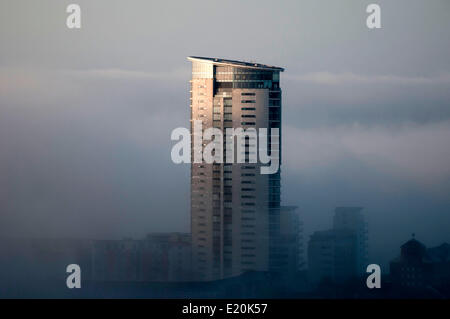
[235, 210]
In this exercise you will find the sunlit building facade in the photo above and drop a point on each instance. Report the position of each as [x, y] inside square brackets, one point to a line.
[234, 208]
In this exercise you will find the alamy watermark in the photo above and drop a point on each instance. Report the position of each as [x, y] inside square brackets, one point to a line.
[251, 145]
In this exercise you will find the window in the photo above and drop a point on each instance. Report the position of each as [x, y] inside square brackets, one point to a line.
[275, 95]
[248, 204]
[274, 102]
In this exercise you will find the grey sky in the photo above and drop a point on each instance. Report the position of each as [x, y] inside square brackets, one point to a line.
[86, 115]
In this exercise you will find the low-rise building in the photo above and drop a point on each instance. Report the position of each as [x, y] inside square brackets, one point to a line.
[418, 267]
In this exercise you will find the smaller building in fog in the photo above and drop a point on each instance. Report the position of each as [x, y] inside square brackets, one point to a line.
[418, 267]
[339, 254]
[161, 257]
[352, 219]
[287, 243]
[332, 256]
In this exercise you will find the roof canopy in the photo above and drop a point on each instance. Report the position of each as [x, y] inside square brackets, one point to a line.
[252, 65]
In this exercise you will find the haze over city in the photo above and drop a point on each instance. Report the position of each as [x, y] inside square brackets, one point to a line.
[86, 116]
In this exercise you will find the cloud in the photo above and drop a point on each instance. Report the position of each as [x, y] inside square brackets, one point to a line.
[326, 98]
[125, 74]
[87, 153]
[417, 154]
[329, 78]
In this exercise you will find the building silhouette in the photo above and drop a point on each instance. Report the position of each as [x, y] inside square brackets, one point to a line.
[291, 237]
[339, 255]
[160, 257]
[419, 268]
[332, 256]
[351, 218]
[234, 209]
[287, 246]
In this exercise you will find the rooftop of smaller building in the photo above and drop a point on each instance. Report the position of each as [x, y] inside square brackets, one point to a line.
[219, 61]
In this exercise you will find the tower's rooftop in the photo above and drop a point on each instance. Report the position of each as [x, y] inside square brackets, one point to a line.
[252, 65]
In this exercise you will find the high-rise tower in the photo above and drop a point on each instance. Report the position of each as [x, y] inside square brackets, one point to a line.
[352, 218]
[234, 208]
